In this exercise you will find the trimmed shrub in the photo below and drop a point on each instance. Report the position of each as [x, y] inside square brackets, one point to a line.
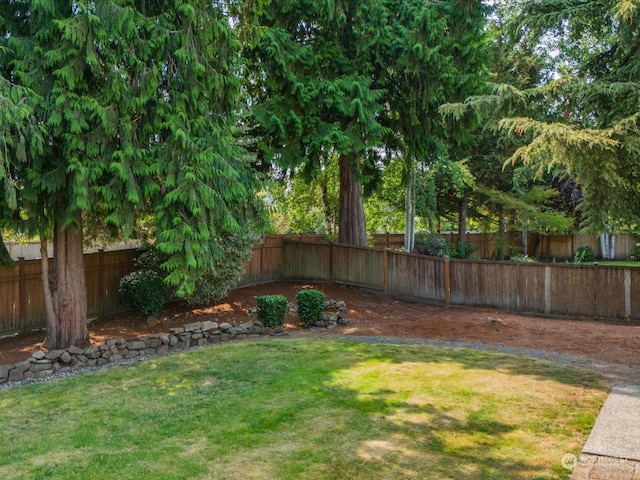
[272, 309]
[144, 290]
[635, 253]
[310, 306]
[583, 254]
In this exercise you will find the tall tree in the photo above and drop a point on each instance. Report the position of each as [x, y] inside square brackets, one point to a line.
[314, 69]
[594, 131]
[118, 108]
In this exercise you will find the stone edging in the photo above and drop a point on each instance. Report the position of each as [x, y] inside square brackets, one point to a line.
[42, 365]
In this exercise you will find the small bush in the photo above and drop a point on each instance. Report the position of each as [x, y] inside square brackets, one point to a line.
[310, 306]
[522, 258]
[583, 254]
[144, 290]
[272, 309]
[433, 245]
[462, 251]
[635, 253]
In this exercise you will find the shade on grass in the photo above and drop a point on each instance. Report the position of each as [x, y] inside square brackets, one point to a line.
[303, 409]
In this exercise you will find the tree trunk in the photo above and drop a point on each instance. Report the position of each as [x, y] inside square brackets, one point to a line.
[410, 211]
[502, 235]
[65, 290]
[352, 227]
[326, 207]
[462, 222]
[525, 237]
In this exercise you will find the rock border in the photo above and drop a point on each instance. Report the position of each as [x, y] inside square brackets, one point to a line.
[45, 364]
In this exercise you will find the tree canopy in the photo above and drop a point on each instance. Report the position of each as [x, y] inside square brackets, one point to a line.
[113, 109]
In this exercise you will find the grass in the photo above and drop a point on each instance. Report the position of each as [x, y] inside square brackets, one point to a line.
[617, 263]
[303, 409]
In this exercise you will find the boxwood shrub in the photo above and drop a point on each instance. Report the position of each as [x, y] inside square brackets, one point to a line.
[310, 306]
[272, 310]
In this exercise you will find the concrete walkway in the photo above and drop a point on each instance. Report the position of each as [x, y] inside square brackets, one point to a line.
[612, 451]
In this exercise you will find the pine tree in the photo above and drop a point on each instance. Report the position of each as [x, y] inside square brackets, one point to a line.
[119, 109]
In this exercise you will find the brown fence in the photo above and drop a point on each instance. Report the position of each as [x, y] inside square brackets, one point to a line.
[22, 301]
[545, 289]
[486, 245]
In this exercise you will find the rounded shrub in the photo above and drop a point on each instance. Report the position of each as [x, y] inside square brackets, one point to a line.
[272, 310]
[144, 290]
[584, 254]
[433, 245]
[310, 306]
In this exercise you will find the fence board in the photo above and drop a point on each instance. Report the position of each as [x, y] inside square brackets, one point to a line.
[548, 289]
[356, 266]
[306, 261]
[416, 277]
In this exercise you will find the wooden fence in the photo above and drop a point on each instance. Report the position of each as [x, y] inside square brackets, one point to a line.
[560, 247]
[543, 289]
[22, 301]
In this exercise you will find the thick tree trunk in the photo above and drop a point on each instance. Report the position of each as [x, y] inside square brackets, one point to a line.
[352, 227]
[65, 290]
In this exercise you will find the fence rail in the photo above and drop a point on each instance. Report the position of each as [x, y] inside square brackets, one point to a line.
[543, 289]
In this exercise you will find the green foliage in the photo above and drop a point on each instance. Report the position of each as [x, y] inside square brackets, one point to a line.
[464, 251]
[235, 251]
[583, 254]
[5, 259]
[272, 310]
[522, 258]
[433, 245]
[635, 253]
[310, 305]
[144, 290]
[120, 111]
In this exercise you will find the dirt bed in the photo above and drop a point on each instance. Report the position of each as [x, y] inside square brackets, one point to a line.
[616, 343]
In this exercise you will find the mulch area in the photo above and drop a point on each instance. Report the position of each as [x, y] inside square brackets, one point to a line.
[372, 314]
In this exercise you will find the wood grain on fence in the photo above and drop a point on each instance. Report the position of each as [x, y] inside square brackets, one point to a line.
[533, 288]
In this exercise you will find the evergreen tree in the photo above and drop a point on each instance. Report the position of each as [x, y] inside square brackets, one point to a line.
[118, 108]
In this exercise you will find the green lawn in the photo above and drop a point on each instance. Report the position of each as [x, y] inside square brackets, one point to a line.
[616, 263]
[303, 409]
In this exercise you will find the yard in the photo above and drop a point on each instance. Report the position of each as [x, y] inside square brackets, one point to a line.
[311, 408]
[303, 408]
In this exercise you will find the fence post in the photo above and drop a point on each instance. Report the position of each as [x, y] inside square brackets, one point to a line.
[22, 315]
[547, 290]
[385, 271]
[596, 290]
[447, 282]
[627, 293]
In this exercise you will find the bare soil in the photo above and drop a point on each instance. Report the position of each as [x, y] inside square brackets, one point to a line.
[372, 314]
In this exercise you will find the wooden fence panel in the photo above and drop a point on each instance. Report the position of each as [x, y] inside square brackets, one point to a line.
[306, 261]
[492, 284]
[361, 267]
[10, 307]
[265, 264]
[531, 287]
[609, 286]
[416, 277]
[572, 290]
